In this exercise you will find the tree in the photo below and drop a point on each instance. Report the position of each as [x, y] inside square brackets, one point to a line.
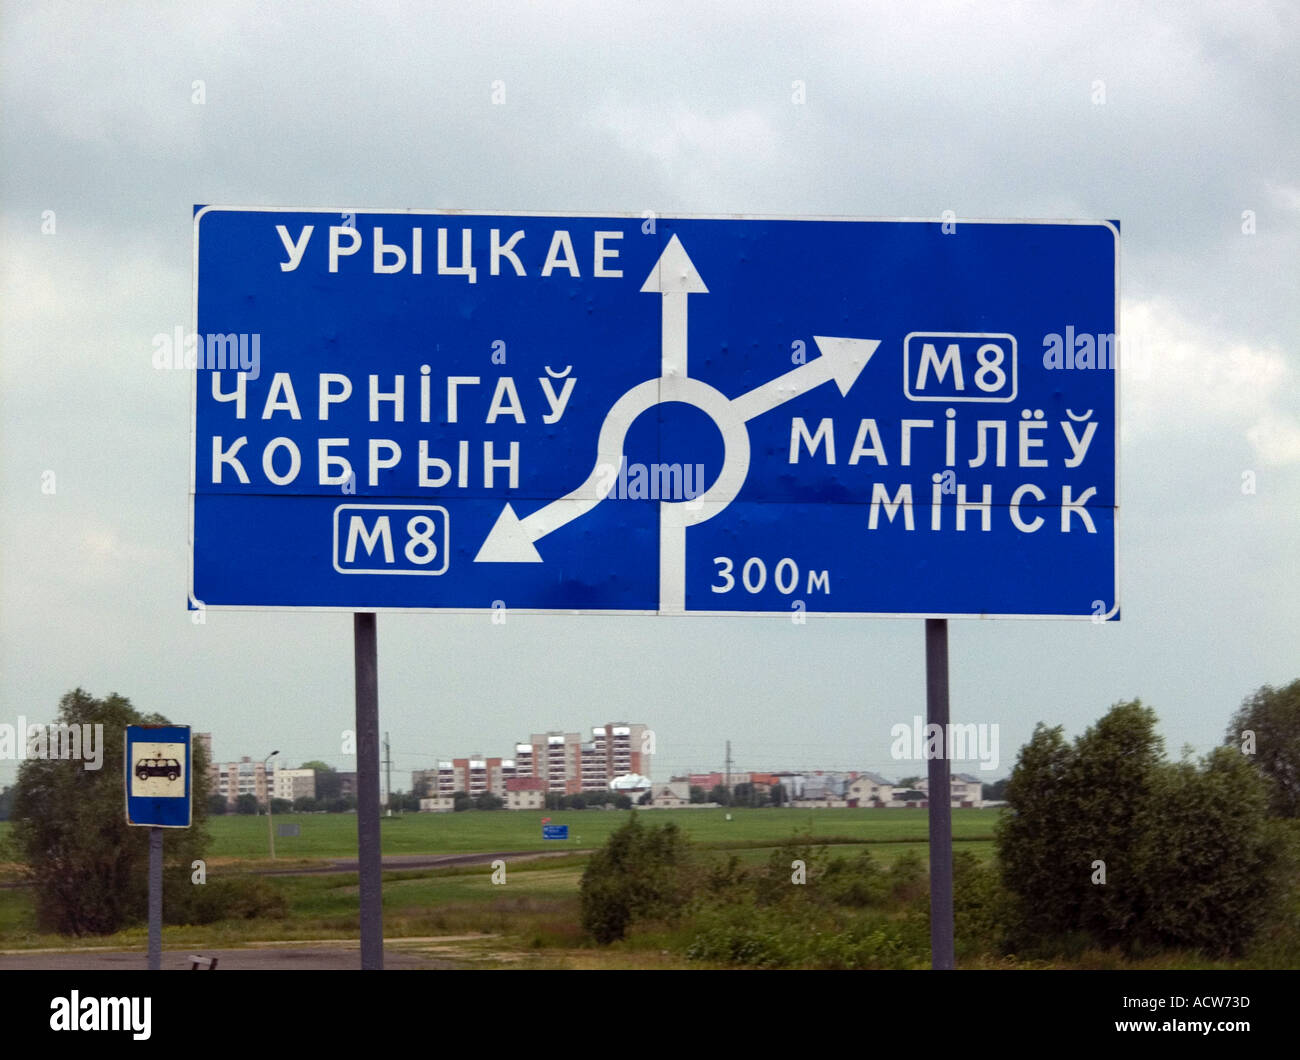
[1272, 717]
[995, 792]
[329, 785]
[778, 795]
[217, 805]
[623, 802]
[281, 806]
[7, 802]
[1106, 840]
[698, 795]
[247, 804]
[88, 866]
[909, 782]
[305, 804]
[640, 873]
[460, 800]
[747, 794]
[720, 795]
[1211, 855]
[404, 801]
[487, 801]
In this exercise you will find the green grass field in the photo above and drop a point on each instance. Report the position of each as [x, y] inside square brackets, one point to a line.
[537, 909]
[542, 896]
[335, 835]
[461, 915]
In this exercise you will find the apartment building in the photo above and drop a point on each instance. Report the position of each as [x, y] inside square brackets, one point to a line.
[245, 777]
[475, 775]
[565, 763]
[295, 784]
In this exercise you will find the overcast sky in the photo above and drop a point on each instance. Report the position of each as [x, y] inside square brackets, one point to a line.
[1175, 119]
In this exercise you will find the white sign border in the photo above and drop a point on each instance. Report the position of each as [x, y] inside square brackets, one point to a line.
[200, 211]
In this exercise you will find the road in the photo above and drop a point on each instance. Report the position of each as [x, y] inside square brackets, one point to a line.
[330, 955]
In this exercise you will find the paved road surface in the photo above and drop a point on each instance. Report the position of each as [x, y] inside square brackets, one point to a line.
[342, 954]
[315, 956]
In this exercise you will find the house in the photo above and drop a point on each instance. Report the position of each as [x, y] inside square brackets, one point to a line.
[824, 789]
[870, 789]
[675, 793]
[525, 793]
[965, 790]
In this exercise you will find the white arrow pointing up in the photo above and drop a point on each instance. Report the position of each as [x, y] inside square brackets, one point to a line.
[674, 276]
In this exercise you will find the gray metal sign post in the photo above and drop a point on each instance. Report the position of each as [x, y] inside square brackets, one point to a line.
[155, 898]
[369, 858]
[939, 773]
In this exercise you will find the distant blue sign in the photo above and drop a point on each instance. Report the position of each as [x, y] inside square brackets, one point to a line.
[157, 760]
[443, 411]
[555, 831]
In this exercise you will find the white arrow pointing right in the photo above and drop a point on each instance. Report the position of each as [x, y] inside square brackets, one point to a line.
[841, 360]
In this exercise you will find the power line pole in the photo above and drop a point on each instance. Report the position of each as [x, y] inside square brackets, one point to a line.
[726, 776]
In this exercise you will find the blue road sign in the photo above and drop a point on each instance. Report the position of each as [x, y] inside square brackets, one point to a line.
[555, 831]
[443, 411]
[157, 761]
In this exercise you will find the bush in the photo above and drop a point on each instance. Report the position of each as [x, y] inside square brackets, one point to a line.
[775, 883]
[1211, 860]
[227, 898]
[1187, 857]
[639, 874]
[909, 879]
[980, 906]
[771, 938]
[855, 882]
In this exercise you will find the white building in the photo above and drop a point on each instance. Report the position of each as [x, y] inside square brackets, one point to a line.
[871, 789]
[675, 793]
[966, 790]
[294, 784]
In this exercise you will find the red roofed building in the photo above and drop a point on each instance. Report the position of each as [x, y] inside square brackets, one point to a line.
[525, 793]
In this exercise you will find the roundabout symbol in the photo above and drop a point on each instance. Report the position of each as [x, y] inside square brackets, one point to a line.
[674, 278]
